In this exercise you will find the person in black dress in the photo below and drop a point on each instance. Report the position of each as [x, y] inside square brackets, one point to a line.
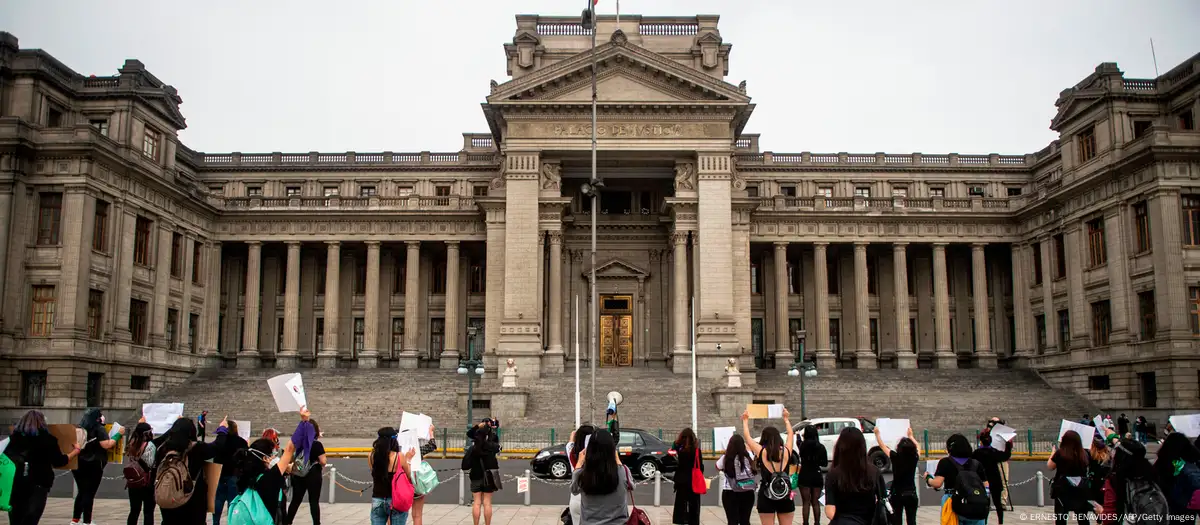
[1070, 466]
[853, 486]
[310, 483]
[904, 461]
[478, 459]
[687, 503]
[182, 439]
[992, 458]
[35, 453]
[774, 455]
[92, 460]
[813, 457]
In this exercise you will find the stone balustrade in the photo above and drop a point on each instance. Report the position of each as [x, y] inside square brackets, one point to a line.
[329, 160]
[409, 203]
[781, 203]
[991, 161]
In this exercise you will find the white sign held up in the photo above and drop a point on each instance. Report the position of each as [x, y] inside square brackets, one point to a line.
[243, 429]
[891, 431]
[1085, 432]
[1188, 425]
[288, 391]
[161, 416]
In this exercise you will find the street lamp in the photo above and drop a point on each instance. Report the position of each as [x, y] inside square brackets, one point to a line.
[802, 369]
[471, 367]
[592, 189]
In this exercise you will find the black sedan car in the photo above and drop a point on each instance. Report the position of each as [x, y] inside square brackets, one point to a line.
[641, 451]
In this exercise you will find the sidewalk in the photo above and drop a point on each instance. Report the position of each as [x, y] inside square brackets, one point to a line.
[112, 512]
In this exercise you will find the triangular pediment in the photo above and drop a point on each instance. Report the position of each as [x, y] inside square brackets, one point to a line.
[619, 269]
[624, 84]
[1072, 104]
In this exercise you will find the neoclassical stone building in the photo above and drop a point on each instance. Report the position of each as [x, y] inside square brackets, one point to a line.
[132, 260]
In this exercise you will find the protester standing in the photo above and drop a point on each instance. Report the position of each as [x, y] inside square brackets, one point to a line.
[427, 447]
[478, 460]
[35, 453]
[181, 441]
[773, 455]
[575, 446]
[1069, 487]
[141, 450]
[602, 483]
[227, 484]
[738, 484]
[904, 461]
[310, 450]
[949, 470]
[993, 460]
[384, 459]
[202, 424]
[1123, 426]
[1178, 475]
[1134, 487]
[854, 486]
[687, 502]
[92, 460]
[813, 457]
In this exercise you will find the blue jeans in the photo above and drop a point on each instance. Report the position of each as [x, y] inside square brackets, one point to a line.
[381, 510]
[962, 520]
[226, 491]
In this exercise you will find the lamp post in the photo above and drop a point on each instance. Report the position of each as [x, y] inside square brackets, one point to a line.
[592, 189]
[802, 369]
[470, 367]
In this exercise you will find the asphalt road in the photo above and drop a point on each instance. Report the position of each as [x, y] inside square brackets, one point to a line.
[544, 492]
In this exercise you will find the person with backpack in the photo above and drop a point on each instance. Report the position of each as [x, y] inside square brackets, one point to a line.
[35, 453]
[1134, 488]
[602, 482]
[427, 447]
[854, 489]
[813, 457]
[775, 498]
[1179, 477]
[180, 487]
[738, 484]
[686, 510]
[227, 483]
[384, 459]
[138, 470]
[482, 466]
[963, 482]
[1069, 487]
[273, 435]
[306, 471]
[903, 493]
[1123, 426]
[261, 481]
[993, 460]
[92, 460]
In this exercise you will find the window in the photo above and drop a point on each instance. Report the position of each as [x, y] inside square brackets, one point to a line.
[862, 191]
[900, 191]
[1194, 308]
[1060, 256]
[101, 125]
[787, 191]
[615, 201]
[825, 191]
[1187, 121]
[1141, 128]
[835, 335]
[292, 191]
[319, 334]
[1086, 141]
[1141, 223]
[254, 191]
[439, 278]
[330, 191]
[441, 191]
[791, 277]
[137, 321]
[193, 320]
[172, 327]
[100, 228]
[360, 331]
[217, 189]
[95, 389]
[151, 141]
[366, 191]
[478, 277]
[831, 269]
[33, 388]
[875, 335]
[937, 192]
[752, 190]
[139, 382]
[42, 315]
[1098, 382]
[1148, 385]
[398, 282]
[1191, 217]
[1101, 323]
[397, 334]
[437, 337]
[54, 117]
[872, 282]
[1149, 321]
[795, 325]
[49, 218]
[1096, 253]
[95, 313]
[1013, 192]
[480, 190]
[141, 242]
[196, 262]
[1064, 330]
[1039, 321]
[1037, 263]
[755, 278]
[360, 278]
[404, 191]
[278, 333]
[177, 255]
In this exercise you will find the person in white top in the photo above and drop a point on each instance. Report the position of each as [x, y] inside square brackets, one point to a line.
[738, 485]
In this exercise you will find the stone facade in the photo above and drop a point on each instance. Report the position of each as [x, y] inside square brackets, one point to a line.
[1080, 260]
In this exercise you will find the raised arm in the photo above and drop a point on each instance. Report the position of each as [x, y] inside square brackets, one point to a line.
[882, 446]
[791, 434]
[751, 444]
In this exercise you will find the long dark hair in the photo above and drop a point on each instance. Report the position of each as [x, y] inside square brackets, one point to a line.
[1070, 451]
[599, 475]
[686, 441]
[850, 469]
[31, 424]
[181, 435]
[809, 433]
[736, 449]
[251, 460]
[141, 435]
[958, 446]
[907, 448]
[581, 438]
[1130, 462]
[1176, 447]
[484, 436]
[772, 445]
[382, 448]
[91, 419]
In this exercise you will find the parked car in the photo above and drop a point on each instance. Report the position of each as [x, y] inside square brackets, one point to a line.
[641, 451]
[828, 429]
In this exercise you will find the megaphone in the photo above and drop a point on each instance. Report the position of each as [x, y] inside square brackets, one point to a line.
[614, 398]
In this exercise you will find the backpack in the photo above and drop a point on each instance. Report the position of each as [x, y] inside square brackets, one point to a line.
[742, 479]
[779, 487]
[403, 491]
[174, 485]
[970, 500]
[248, 508]
[427, 478]
[136, 474]
[1144, 502]
[301, 466]
[1185, 494]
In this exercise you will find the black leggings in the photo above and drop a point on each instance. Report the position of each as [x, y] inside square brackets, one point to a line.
[810, 498]
[738, 506]
[87, 478]
[1062, 508]
[687, 508]
[998, 503]
[312, 485]
[141, 501]
[905, 506]
[28, 501]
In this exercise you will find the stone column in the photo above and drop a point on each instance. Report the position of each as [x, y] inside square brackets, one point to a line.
[78, 212]
[494, 287]
[248, 357]
[1049, 312]
[369, 358]
[783, 346]
[1079, 311]
[1118, 276]
[681, 351]
[521, 330]
[125, 275]
[162, 289]
[983, 330]
[449, 357]
[410, 356]
[288, 355]
[1170, 287]
[906, 356]
[328, 356]
[716, 333]
[556, 298]
[944, 355]
[825, 357]
[212, 305]
[185, 311]
[866, 357]
[6, 209]
[1021, 311]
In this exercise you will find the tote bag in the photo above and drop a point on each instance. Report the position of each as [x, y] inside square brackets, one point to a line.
[699, 483]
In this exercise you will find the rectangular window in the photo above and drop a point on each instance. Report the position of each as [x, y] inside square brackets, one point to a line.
[1141, 223]
[360, 331]
[1013, 192]
[439, 277]
[480, 190]
[139, 382]
[825, 191]
[1141, 127]
[1191, 219]
[835, 335]
[1101, 323]
[832, 269]
[862, 191]
[1060, 256]
[755, 278]
[1098, 382]
[172, 327]
[54, 117]
[1087, 144]
[292, 191]
[441, 191]
[875, 335]
[872, 281]
[900, 191]
[1037, 263]
[437, 337]
[100, 228]
[787, 191]
[151, 143]
[1149, 319]
[319, 334]
[141, 242]
[254, 191]
[95, 389]
[177, 255]
[401, 276]
[217, 189]
[752, 190]
[42, 311]
[397, 335]
[478, 277]
[33, 388]
[330, 191]
[1187, 121]
[1096, 248]
[1064, 330]
[138, 321]
[795, 325]
[49, 218]
[95, 313]
[937, 192]
[366, 191]
[1194, 308]
[1039, 321]
[101, 125]
[1148, 384]
[193, 320]
[196, 259]
[278, 333]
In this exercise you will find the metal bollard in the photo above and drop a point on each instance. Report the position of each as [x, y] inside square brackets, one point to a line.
[719, 482]
[462, 487]
[657, 489]
[332, 485]
[528, 488]
[1041, 479]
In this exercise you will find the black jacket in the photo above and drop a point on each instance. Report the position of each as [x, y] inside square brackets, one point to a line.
[683, 472]
[42, 454]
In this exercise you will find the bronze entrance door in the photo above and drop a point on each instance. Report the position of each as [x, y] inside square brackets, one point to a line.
[616, 330]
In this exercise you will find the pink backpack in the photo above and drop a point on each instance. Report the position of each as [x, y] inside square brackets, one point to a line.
[402, 489]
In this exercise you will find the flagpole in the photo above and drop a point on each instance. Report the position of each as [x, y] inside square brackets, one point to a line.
[618, 14]
[694, 427]
[577, 412]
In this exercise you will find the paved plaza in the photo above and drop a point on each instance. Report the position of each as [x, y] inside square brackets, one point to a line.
[109, 512]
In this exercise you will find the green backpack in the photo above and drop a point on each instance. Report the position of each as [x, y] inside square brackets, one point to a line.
[427, 478]
[248, 508]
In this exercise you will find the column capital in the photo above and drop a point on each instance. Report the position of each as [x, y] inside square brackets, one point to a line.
[860, 245]
[291, 244]
[254, 243]
[372, 244]
[781, 245]
[679, 238]
[978, 246]
[333, 243]
[941, 245]
[453, 243]
[822, 244]
[413, 245]
[556, 238]
[899, 246]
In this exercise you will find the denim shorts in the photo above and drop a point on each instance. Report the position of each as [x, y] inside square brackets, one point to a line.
[381, 510]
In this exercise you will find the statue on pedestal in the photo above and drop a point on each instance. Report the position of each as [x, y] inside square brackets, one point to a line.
[509, 377]
[733, 377]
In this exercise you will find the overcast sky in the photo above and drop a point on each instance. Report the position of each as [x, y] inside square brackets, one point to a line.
[407, 75]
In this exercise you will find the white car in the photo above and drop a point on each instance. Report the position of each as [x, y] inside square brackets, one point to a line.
[828, 429]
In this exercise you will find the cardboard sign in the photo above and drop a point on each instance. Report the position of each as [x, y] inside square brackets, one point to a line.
[288, 391]
[67, 437]
[522, 485]
[757, 411]
[212, 474]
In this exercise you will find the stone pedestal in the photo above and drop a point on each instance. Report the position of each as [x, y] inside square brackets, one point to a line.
[681, 362]
[906, 360]
[945, 360]
[520, 341]
[733, 376]
[506, 404]
[327, 360]
[509, 377]
[866, 360]
[987, 360]
[826, 359]
[408, 360]
[368, 359]
[784, 359]
[731, 402]
[287, 360]
[554, 361]
[248, 360]
[448, 360]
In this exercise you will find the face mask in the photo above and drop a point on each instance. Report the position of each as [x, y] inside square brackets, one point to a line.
[101, 420]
